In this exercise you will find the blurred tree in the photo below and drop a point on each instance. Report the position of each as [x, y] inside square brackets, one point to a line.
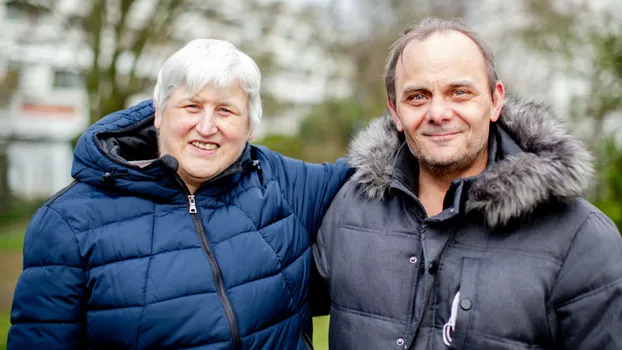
[327, 130]
[610, 174]
[127, 39]
[361, 36]
[287, 145]
[5, 195]
[381, 22]
[8, 84]
[324, 133]
[588, 43]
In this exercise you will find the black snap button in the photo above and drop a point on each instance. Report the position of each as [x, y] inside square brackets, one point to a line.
[432, 268]
[466, 304]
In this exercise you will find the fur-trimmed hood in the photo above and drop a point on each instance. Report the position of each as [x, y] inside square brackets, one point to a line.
[553, 164]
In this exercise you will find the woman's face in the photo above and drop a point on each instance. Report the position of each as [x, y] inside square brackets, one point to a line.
[206, 132]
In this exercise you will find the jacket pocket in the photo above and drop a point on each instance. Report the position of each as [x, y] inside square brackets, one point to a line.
[466, 303]
[306, 340]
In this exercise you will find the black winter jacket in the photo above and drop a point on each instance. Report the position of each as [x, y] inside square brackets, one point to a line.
[516, 260]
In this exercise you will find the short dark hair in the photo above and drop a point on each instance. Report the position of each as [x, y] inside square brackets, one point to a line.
[423, 30]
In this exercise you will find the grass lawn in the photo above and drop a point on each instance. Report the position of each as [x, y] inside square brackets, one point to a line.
[11, 243]
[320, 333]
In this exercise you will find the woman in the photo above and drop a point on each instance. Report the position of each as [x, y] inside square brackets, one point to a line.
[177, 233]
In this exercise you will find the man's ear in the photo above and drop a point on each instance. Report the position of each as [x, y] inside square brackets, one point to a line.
[497, 101]
[396, 119]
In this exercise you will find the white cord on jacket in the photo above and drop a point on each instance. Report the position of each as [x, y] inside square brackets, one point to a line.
[450, 326]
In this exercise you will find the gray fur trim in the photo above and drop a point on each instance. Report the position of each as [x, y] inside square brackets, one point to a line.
[372, 153]
[555, 164]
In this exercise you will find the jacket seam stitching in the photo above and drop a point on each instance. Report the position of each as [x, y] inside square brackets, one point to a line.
[60, 193]
[381, 232]
[490, 337]
[148, 256]
[281, 266]
[306, 231]
[102, 225]
[328, 176]
[82, 319]
[589, 294]
[516, 251]
[52, 265]
[59, 323]
[82, 264]
[110, 308]
[290, 207]
[142, 312]
[549, 306]
[253, 332]
[365, 314]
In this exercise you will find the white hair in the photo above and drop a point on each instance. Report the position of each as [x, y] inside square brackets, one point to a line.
[203, 62]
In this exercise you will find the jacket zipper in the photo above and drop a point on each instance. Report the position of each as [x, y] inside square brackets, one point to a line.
[218, 281]
[427, 300]
[307, 341]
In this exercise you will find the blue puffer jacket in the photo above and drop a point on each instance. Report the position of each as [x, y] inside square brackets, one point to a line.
[118, 261]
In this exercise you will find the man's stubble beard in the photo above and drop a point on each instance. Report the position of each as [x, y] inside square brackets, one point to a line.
[452, 168]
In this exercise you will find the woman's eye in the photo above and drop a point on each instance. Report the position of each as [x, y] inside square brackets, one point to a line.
[193, 107]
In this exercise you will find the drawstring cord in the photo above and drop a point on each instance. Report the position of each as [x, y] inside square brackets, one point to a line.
[450, 326]
[109, 175]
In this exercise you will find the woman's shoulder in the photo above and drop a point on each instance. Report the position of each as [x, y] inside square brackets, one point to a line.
[79, 199]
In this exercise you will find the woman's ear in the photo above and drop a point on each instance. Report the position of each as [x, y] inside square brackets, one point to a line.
[157, 120]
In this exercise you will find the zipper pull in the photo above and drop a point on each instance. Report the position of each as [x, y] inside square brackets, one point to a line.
[192, 209]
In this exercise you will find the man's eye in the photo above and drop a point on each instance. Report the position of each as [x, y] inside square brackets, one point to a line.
[416, 97]
[223, 110]
[460, 93]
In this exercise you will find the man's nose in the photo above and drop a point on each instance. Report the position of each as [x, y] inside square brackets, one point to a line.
[439, 111]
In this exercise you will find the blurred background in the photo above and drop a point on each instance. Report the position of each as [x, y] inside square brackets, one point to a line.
[66, 63]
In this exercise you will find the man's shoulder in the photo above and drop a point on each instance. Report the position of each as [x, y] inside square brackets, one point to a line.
[352, 198]
[595, 219]
[573, 218]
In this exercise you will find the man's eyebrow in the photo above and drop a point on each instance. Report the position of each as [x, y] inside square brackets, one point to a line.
[413, 88]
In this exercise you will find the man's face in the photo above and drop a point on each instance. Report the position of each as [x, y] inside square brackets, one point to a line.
[443, 102]
[206, 132]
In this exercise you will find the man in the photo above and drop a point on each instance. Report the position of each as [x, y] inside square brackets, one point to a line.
[463, 226]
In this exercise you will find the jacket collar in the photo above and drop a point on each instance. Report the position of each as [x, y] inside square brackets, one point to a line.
[537, 160]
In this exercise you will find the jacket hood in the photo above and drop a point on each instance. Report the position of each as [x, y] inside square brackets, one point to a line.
[120, 153]
[105, 151]
[551, 164]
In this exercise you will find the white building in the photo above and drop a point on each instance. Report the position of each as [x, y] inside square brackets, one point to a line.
[49, 105]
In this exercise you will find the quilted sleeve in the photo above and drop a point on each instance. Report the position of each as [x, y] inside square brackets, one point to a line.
[310, 188]
[588, 293]
[48, 307]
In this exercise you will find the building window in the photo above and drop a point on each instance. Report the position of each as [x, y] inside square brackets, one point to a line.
[20, 9]
[67, 79]
[12, 11]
